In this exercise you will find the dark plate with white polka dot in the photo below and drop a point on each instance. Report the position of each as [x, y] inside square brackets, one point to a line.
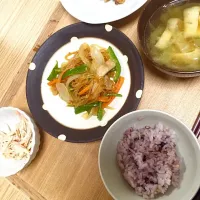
[51, 113]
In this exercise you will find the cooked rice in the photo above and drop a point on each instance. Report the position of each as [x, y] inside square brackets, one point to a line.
[148, 160]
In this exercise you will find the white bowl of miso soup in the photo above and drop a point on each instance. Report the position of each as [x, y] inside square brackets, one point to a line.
[169, 33]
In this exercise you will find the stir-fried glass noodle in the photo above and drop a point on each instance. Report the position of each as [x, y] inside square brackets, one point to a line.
[89, 80]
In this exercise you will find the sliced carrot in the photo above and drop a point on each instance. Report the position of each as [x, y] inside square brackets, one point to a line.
[108, 103]
[64, 80]
[117, 88]
[104, 99]
[54, 81]
[84, 90]
[119, 84]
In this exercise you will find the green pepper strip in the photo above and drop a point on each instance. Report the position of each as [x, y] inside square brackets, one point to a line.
[86, 107]
[117, 64]
[58, 70]
[100, 112]
[113, 94]
[55, 71]
[77, 70]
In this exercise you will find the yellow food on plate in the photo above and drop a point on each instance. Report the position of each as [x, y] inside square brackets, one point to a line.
[174, 37]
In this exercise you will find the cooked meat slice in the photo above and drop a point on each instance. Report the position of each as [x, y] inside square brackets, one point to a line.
[119, 1]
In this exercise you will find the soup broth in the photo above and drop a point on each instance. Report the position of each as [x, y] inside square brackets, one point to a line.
[173, 36]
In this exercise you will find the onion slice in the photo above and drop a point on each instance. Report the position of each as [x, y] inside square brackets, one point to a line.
[105, 68]
[71, 78]
[82, 55]
[63, 92]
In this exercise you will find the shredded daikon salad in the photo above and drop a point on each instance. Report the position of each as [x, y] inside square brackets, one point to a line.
[17, 143]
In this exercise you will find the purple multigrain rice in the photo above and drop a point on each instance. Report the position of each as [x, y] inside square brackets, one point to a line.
[148, 160]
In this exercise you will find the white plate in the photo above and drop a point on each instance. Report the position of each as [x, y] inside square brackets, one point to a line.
[187, 145]
[8, 115]
[97, 11]
[65, 115]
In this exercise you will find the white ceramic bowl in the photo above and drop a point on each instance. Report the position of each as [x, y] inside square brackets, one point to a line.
[187, 145]
[8, 167]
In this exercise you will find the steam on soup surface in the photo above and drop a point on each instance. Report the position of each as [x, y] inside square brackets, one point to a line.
[173, 37]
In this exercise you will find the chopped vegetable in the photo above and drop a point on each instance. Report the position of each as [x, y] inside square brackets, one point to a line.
[85, 89]
[191, 19]
[100, 112]
[54, 72]
[63, 92]
[53, 82]
[183, 44]
[117, 64]
[58, 70]
[113, 94]
[86, 107]
[164, 40]
[116, 90]
[77, 70]
[102, 70]
[96, 55]
[173, 25]
[82, 53]
[70, 79]
[184, 58]
[104, 99]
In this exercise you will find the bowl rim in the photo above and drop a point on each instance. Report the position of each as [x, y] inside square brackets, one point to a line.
[143, 111]
[175, 72]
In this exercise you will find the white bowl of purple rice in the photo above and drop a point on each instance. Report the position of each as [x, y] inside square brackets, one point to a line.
[149, 154]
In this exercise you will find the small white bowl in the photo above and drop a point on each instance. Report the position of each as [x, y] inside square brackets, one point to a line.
[8, 167]
[187, 146]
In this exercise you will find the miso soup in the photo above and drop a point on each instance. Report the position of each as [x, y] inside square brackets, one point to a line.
[173, 36]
